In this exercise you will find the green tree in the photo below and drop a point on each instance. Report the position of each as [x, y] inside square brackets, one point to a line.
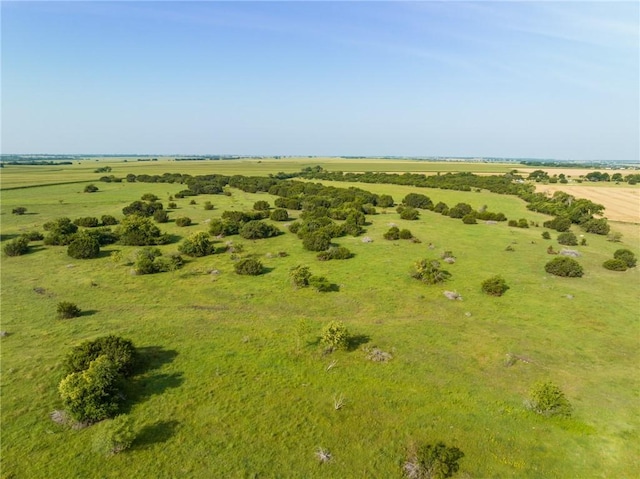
[121, 352]
[136, 230]
[564, 266]
[567, 238]
[335, 335]
[16, 247]
[279, 214]
[183, 221]
[626, 256]
[61, 231]
[261, 205]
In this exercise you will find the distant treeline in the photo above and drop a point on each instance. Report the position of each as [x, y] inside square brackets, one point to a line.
[34, 163]
[566, 208]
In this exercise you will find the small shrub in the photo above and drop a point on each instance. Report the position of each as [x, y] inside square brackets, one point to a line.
[160, 216]
[567, 238]
[409, 213]
[149, 197]
[197, 245]
[564, 266]
[33, 236]
[261, 205]
[208, 205]
[90, 188]
[339, 252]
[614, 237]
[87, 222]
[114, 436]
[318, 240]
[627, 256]
[597, 226]
[172, 205]
[321, 284]
[523, 223]
[495, 286]
[108, 220]
[183, 221]
[299, 276]
[469, 219]
[16, 247]
[67, 310]
[547, 399]
[513, 223]
[20, 210]
[427, 461]
[393, 233]
[615, 265]
[546, 235]
[429, 272]
[256, 229]
[193, 202]
[279, 214]
[405, 234]
[84, 246]
[249, 266]
[559, 223]
[335, 335]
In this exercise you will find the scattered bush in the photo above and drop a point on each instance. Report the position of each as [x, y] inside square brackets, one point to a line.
[339, 252]
[614, 237]
[121, 352]
[257, 229]
[142, 208]
[67, 310]
[33, 236]
[193, 202]
[597, 226]
[108, 220]
[615, 265]
[546, 235]
[299, 276]
[429, 461]
[318, 240]
[564, 266]
[513, 223]
[335, 335]
[495, 286]
[409, 213]
[469, 219]
[393, 233]
[208, 205]
[567, 238]
[627, 256]
[114, 436]
[279, 214]
[559, 223]
[261, 205]
[321, 284]
[249, 266]
[405, 234]
[183, 221]
[16, 247]
[460, 210]
[61, 231]
[90, 188]
[160, 216]
[91, 395]
[417, 200]
[84, 246]
[150, 261]
[218, 227]
[547, 399]
[441, 208]
[196, 245]
[20, 210]
[429, 272]
[136, 230]
[149, 197]
[173, 205]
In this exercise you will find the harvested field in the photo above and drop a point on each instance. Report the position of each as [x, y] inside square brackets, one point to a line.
[622, 204]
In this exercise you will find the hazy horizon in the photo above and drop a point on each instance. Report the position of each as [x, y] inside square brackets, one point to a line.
[514, 80]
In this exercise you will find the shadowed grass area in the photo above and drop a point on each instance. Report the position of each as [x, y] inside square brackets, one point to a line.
[230, 384]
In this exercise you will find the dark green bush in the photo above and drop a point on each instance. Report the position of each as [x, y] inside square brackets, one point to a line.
[261, 205]
[567, 238]
[321, 284]
[597, 226]
[136, 230]
[546, 235]
[279, 214]
[417, 200]
[20, 210]
[441, 208]
[339, 252]
[108, 220]
[183, 221]
[121, 352]
[385, 201]
[142, 208]
[249, 266]
[149, 197]
[615, 265]
[405, 234]
[523, 223]
[393, 233]
[208, 205]
[218, 227]
[409, 213]
[335, 335]
[160, 216]
[172, 205]
[495, 286]
[469, 219]
[150, 261]
[67, 310]
[83, 246]
[87, 222]
[60, 230]
[90, 188]
[564, 266]
[513, 223]
[318, 240]
[460, 210]
[299, 276]
[33, 236]
[559, 223]
[627, 256]
[16, 247]
[257, 229]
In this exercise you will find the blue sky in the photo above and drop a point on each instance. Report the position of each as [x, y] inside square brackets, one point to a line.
[506, 79]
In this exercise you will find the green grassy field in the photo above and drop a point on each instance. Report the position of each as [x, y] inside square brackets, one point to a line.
[235, 390]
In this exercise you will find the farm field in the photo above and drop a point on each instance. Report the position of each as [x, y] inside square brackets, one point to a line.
[236, 382]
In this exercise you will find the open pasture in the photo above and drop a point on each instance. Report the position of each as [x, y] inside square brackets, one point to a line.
[237, 384]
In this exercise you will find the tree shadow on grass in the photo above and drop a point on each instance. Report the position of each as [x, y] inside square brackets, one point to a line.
[356, 341]
[88, 312]
[153, 357]
[156, 433]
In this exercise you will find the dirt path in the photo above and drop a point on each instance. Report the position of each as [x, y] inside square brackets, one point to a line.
[622, 204]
